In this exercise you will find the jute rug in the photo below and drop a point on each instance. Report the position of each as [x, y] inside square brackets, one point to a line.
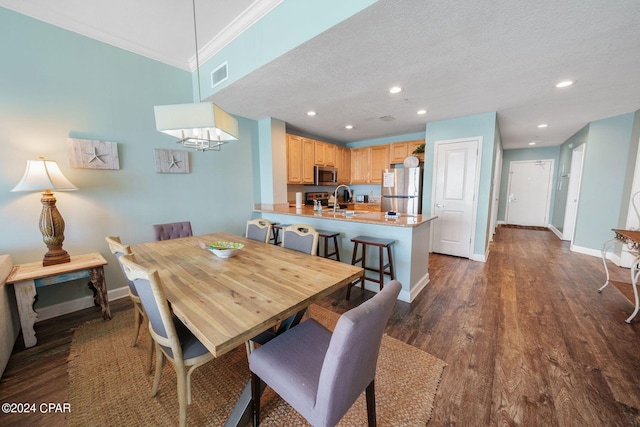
[108, 385]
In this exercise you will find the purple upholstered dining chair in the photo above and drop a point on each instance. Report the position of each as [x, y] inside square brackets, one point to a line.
[172, 230]
[321, 374]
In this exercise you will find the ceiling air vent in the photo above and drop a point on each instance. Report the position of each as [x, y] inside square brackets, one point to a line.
[219, 75]
[387, 118]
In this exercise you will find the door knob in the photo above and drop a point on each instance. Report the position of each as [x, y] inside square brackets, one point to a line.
[438, 205]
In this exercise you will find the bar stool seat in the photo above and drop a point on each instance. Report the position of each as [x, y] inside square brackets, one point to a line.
[325, 235]
[381, 244]
[277, 228]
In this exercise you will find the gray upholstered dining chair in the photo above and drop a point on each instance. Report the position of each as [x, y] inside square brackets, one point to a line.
[300, 237]
[172, 230]
[173, 339]
[118, 249]
[321, 374]
[258, 229]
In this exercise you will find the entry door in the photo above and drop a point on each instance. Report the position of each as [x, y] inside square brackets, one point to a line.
[529, 192]
[573, 192]
[455, 186]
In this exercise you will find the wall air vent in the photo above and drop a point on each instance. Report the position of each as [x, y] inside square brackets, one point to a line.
[387, 118]
[219, 75]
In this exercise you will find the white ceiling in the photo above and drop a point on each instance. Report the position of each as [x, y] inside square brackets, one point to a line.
[452, 58]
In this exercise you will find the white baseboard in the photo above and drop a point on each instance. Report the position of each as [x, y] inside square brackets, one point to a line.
[413, 293]
[479, 257]
[66, 307]
[586, 251]
[555, 231]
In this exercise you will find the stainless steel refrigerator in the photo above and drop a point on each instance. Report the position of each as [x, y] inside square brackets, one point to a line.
[402, 190]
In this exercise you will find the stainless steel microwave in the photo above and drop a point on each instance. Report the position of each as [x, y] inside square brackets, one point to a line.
[325, 176]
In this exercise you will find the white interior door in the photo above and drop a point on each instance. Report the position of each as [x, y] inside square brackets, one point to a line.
[573, 193]
[529, 192]
[455, 186]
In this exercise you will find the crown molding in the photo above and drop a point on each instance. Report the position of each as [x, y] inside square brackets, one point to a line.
[250, 16]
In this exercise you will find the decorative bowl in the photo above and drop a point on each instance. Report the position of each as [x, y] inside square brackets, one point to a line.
[224, 249]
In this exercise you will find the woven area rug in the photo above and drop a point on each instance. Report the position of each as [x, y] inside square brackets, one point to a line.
[108, 385]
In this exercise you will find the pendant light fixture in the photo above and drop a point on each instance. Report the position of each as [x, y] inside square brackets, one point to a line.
[202, 126]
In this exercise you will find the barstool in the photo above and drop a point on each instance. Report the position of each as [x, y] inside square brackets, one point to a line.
[381, 244]
[277, 228]
[325, 235]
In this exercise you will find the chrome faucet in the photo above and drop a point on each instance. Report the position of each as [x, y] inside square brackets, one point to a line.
[335, 195]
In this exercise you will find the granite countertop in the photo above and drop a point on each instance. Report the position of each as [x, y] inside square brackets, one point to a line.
[358, 216]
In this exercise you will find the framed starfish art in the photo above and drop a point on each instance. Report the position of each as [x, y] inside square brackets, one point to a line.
[92, 154]
[171, 161]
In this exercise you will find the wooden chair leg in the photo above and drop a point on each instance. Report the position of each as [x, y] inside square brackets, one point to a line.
[150, 347]
[183, 398]
[159, 362]
[371, 405]
[255, 398]
[137, 320]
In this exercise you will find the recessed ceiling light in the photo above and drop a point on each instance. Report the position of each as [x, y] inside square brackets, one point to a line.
[422, 112]
[311, 113]
[532, 143]
[348, 127]
[565, 83]
[543, 125]
[395, 89]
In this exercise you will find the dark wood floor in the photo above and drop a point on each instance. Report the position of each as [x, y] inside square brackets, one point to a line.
[527, 338]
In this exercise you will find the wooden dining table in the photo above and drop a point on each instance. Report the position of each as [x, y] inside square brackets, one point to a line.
[227, 301]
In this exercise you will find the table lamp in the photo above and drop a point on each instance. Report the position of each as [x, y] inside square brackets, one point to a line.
[45, 175]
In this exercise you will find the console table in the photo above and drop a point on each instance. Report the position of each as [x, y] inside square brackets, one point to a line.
[27, 277]
[632, 239]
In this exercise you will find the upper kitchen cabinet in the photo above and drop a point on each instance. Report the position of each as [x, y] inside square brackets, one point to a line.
[300, 159]
[412, 146]
[398, 151]
[360, 164]
[379, 161]
[343, 164]
[325, 154]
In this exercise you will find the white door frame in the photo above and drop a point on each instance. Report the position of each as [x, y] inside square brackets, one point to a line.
[573, 192]
[549, 191]
[476, 189]
[495, 194]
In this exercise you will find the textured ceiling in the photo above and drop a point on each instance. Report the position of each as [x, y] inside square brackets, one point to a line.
[452, 58]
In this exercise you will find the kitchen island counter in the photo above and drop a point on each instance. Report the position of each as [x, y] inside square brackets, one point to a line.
[411, 234]
[378, 218]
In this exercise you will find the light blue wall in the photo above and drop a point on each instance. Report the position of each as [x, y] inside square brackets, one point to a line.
[605, 171]
[55, 84]
[542, 153]
[483, 125]
[290, 24]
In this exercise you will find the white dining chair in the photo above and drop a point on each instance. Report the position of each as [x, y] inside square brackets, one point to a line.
[258, 229]
[174, 341]
[118, 249]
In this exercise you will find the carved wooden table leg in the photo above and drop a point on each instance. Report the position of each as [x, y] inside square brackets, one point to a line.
[100, 296]
[26, 298]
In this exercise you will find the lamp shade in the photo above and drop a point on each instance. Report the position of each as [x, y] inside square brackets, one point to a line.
[43, 175]
[204, 120]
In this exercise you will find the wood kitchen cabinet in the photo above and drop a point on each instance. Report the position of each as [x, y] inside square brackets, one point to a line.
[360, 164]
[412, 145]
[343, 164]
[379, 161]
[300, 160]
[398, 151]
[325, 154]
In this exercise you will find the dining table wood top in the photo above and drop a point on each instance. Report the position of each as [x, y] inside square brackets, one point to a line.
[227, 301]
